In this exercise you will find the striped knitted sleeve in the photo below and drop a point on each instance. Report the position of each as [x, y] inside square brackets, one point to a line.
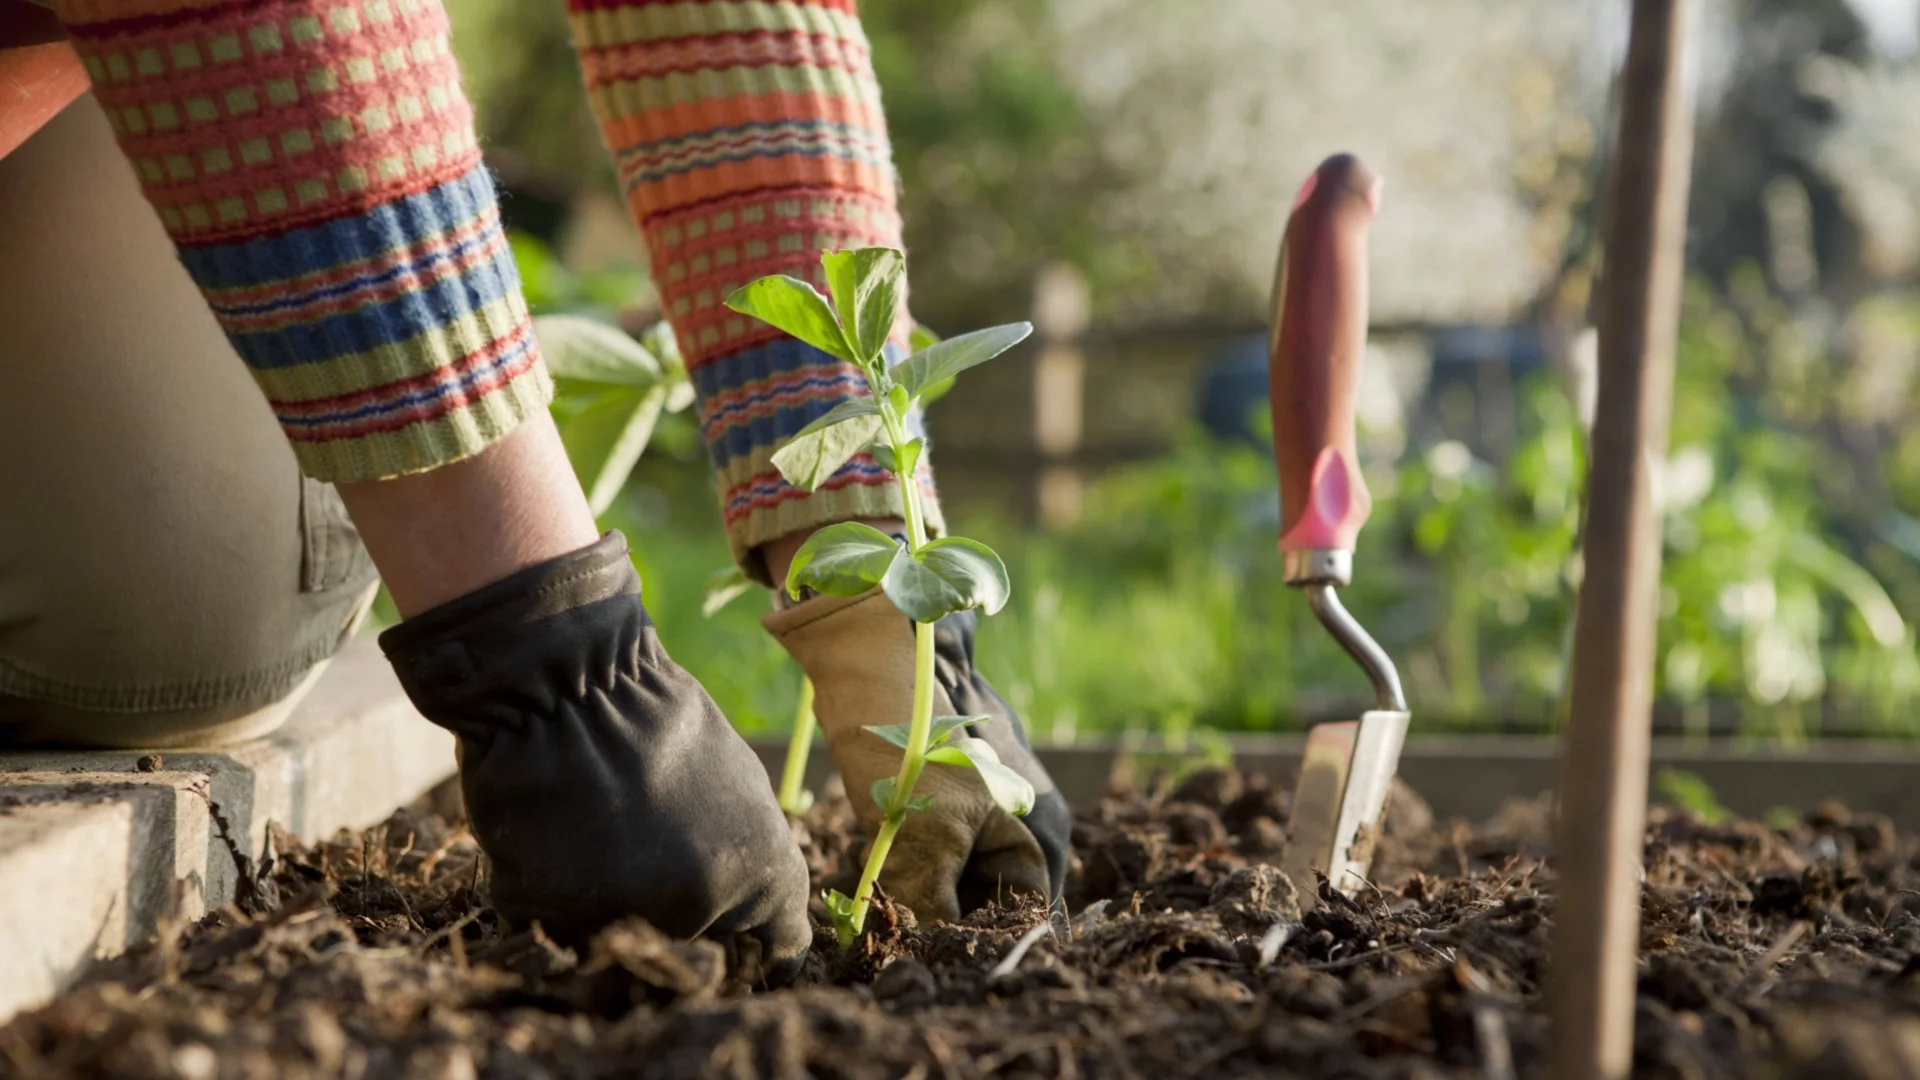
[748, 137]
[314, 162]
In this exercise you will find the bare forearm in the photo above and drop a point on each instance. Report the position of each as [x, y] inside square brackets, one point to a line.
[441, 534]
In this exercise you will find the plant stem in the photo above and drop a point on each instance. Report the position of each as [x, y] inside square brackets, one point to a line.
[911, 764]
[795, 774]
[915, 758]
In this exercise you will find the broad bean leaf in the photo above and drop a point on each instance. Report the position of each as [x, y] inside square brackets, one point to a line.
[944, 726]
[794, 306]
[940, 362]
[605, 438]
[821, 447]
[866, 294]
[924, 595]
[921, 338]
[900, 462]
[1010, 791]
[972, 568]
[938, 732]
[843, 560]
[588, 350]
[882, 792]
[894, 733]
[945, 576]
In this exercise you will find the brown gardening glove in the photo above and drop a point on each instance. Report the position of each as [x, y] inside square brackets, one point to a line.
[963, 850]
[600, 778]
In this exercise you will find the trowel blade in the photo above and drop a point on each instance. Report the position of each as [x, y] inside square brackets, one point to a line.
[1346, 772]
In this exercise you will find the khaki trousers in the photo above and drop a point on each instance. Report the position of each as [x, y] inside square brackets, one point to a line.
[167, 577]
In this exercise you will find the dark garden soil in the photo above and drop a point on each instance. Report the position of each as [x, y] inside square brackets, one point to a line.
[1788, 952]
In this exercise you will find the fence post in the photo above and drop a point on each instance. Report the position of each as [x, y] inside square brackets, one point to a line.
[1062, 308]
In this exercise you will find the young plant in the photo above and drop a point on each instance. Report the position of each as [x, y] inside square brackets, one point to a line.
[721, 589]
[611, 390]
[926, 579]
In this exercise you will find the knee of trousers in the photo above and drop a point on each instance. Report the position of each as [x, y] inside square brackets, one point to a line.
[166, 574]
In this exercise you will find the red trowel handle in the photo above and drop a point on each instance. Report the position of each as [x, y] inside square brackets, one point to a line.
[1313, 360]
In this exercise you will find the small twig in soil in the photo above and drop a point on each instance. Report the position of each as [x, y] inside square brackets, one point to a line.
[1392, 992]
[1489, 1023]
[452, 931]
[1089, 915]
[1019, 952]
[1274, 940]
[1756, 978]
[1349, 961]
[1014, 1050]
[937, 1046]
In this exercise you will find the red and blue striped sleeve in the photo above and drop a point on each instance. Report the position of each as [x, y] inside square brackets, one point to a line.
[748, 137]
[315, 164]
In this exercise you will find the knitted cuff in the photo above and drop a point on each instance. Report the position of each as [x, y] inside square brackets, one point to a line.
[749, 138]
[315, 163]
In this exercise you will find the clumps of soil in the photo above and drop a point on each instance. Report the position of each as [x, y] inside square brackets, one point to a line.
[1790, 951]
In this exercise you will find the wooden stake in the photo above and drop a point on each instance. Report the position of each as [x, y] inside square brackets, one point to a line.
[1603, 780]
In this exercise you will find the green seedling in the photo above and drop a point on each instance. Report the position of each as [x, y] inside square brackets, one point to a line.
[611, 391]
[721, 589]
[926, 579]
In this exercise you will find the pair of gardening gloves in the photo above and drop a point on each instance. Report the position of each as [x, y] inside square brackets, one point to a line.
[603, 782]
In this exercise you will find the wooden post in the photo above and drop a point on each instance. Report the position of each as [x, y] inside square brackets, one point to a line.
[1603, 779]
[1061, 311]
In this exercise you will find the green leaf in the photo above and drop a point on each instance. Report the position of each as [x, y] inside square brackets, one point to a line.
[924, 595]
[882, 792]
[943, 361]
[605, 438]
[721, 588]
[972, 568]
[840, 907]
[938, 732]
[921, 338]
[893, 461]
[661, 342]
[821, 447]
[893, 733]
[844, 413]
[843, 560]
[943, 727]
[924, 802]
[866, 294]
[794, 306]
[1010, 791]
[576, 347]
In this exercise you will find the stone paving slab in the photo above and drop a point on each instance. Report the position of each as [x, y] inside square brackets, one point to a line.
[94, 852]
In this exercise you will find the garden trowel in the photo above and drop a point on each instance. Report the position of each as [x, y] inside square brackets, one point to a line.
[1313, 362]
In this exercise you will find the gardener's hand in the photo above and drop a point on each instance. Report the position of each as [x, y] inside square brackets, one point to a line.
[600, 778]
[963, 850]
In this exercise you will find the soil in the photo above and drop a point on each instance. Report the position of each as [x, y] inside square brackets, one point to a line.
[1784, 951]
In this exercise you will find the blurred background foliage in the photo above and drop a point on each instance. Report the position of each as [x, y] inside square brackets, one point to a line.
[1155, 158]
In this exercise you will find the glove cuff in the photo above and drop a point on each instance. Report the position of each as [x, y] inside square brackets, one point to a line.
[548, 627]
